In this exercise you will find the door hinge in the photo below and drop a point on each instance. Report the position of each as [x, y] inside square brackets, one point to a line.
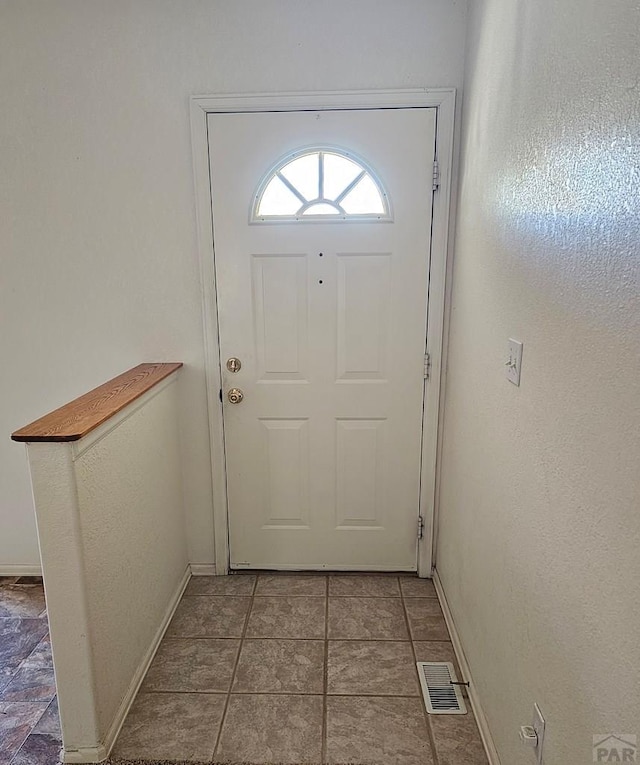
[436, 174]
[427, 365]
[420, 527]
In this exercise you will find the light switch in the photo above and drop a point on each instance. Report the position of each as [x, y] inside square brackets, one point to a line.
[513, 364]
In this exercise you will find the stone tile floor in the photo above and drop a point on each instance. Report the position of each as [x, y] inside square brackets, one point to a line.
[278, 668]
[272, 668]
[29, 724]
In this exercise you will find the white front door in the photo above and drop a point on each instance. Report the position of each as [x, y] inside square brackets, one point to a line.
[327, 317]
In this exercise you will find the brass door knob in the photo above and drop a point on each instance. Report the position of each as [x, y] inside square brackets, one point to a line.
[235, 396]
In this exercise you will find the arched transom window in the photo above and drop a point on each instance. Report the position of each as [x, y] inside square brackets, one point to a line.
[320, 184]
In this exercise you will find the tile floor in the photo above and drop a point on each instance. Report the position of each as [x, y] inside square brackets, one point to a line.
[29, 724]
[279, 668]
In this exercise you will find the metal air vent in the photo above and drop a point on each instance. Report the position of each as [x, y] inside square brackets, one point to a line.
[441, 696]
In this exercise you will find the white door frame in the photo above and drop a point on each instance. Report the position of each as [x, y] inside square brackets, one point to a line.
[442, 99]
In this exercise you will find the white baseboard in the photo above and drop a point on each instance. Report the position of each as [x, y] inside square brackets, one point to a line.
[101, 752]
[476, 706]
[323, 567]
[85, 754]
[18, 569]
[203, 569]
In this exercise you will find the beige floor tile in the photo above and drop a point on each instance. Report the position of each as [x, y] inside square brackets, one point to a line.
[457, 740]
[171, 726]
[367, 619]
[412, 587]
[360, 668]
[292, 584]
[434, 650]
[377, 731]
[236, 584]
[192, 665]
[371, 586]
[280, 666]
[425, 619]
[210, 617]
[274, 729]
[287, 617]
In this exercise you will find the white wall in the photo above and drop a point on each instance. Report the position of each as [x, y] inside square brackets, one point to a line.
[539, 545]
[98, 266]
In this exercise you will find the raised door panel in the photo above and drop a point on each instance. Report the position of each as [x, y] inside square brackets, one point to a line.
[363, 305]
[280, 306]
[285, 463]
[360, 473]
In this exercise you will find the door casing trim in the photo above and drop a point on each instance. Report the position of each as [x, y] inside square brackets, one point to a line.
[443, 100]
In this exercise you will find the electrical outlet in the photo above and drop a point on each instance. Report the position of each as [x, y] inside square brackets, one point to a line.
[514, 363]
[538, 725]
[533, 735]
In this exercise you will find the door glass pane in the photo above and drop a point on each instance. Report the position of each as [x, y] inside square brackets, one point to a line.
[303, 174]
[277, 199]
[364, 198]
[322, 209]
[338, 174]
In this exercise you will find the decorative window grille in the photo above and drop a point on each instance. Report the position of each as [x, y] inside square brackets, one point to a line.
[320, 184]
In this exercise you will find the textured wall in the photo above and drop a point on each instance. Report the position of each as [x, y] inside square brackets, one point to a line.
[99, 267]
[111, 522]
[134, 543]
[540, 526]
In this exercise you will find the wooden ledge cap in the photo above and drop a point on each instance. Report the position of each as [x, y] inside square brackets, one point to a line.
[74, 420]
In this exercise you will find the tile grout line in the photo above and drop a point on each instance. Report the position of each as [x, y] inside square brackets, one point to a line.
[300, 595]
[17, 751]
[325, 677]
[340, 639]
[432, 743]
[235, 669]
[342, 694]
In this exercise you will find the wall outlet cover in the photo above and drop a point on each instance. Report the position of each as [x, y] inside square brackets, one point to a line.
[513, 364]
[538, 726]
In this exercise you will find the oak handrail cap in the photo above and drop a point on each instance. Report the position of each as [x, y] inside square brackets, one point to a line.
[82, 415]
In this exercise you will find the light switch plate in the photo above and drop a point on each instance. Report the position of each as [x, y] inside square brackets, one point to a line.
[538, 726]
[513, 364]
